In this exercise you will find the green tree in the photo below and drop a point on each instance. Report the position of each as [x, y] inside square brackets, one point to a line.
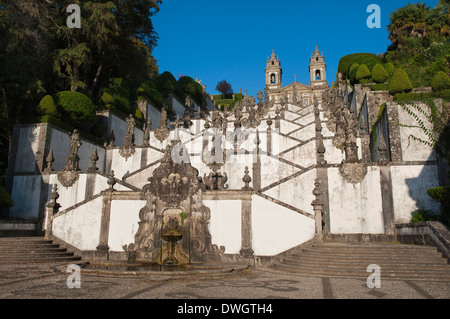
[362, 73]
[390, 68]
[400, 82]
[379, 74]
[440, 82]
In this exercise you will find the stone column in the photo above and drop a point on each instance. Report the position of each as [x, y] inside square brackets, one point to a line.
[52, 209]
[246, 227]
[269, 136]
[387, 200]
[318, 209]
[102, 248]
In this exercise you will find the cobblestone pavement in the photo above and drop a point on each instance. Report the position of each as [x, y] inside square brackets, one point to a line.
[49, 281]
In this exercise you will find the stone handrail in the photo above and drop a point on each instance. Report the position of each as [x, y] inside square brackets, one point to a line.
[436, 231]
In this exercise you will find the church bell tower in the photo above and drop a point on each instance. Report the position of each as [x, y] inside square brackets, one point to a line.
[273, 73]
[317, 69]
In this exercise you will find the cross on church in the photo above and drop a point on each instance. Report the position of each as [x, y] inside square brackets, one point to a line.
[217, 185]
[295, 77]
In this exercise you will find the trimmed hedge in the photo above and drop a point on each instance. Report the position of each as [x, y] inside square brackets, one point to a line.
[380, 87]
[47, 106]
[379, 74]
[400, 82]
[369, 59]
[75, 107]
[390, 68]
[440, 81]
[352, 73]
[445, 95]
[362, 73]
[123, 104]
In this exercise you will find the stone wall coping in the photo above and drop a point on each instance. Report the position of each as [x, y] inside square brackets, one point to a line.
[436, 230]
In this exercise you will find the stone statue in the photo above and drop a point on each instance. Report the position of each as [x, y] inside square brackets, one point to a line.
[74, 142]
[130, 124]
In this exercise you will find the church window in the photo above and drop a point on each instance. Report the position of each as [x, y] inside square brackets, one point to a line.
[317, 74]
[272, 79]
[273, 63]
[317, 58]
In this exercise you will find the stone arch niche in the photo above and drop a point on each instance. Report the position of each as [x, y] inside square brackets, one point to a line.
[173, 225]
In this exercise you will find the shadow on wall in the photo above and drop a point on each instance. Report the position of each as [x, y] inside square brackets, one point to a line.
[430, 176]
[24, 174]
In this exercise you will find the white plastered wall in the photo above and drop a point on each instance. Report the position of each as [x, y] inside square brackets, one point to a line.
[355, 208]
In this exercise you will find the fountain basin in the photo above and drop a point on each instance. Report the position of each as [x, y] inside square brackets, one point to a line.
[146, 268]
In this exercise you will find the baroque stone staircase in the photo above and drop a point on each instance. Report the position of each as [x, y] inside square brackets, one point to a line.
[33, 250]
[396, 261]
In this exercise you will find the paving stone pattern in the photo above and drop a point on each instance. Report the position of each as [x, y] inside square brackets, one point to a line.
[49, 281]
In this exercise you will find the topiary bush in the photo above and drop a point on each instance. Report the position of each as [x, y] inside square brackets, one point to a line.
[362, 73]
[352, 72]
[107, 98]
[390, 68]
[122, 104]
[75, 107]
[144, 90]
[440, 82]
[369, 59]
[379, 74]
[400, 82]
[47, 106]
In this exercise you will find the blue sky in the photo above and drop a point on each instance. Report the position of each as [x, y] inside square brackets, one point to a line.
[214, 40]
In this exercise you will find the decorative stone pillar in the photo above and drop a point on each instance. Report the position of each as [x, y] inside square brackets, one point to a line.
[269, 136]
[103, 248]
[52, 209]
[246, 228]
[318, 209]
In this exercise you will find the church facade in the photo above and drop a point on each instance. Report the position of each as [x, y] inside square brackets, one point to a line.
[296, 92]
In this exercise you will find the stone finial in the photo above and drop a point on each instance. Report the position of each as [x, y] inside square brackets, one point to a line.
[54, 196]
[52, 208]
[162, 132]
[147, 129]
[94, 159]
[246, 179]
[49, 160]
[269, 122]
[318, 204]
[111, 181]
[321, 151]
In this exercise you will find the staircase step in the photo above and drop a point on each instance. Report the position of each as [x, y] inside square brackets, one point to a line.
[352, 260]
[32, 250]
[363, 265]
[431, 274]
[372, 258]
